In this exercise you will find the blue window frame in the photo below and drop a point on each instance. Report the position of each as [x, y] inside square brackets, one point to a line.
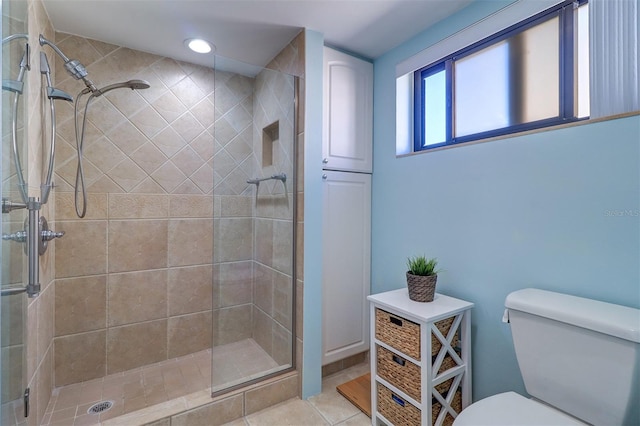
[519, 79]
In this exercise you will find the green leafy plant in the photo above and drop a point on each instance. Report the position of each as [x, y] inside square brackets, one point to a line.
[420, 265]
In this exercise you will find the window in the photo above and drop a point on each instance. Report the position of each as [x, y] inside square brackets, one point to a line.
[530, 75]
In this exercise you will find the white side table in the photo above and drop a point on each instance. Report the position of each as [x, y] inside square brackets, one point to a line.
[420, 359]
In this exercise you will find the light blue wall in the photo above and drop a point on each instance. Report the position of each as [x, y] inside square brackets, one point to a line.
[556, 210]
[312, 295]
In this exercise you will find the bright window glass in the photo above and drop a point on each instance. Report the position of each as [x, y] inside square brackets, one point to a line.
[582, 47]
[536, 72]
[435, 108]
[511, 82]
[482, 91]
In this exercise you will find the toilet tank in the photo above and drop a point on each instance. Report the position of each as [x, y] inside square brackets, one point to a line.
[579, 355]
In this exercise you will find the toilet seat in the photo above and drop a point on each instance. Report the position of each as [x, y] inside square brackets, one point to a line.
[512, 409]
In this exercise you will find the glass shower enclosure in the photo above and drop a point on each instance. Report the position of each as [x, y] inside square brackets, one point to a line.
[254, 227]
[13, 301]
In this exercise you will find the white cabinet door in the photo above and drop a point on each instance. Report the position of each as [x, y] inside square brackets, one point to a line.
[348, 113]
[346, 264]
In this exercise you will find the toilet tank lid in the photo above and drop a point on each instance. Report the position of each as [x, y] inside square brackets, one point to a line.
[619, 321]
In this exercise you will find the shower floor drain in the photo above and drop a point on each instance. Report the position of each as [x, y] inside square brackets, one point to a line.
[100, 407]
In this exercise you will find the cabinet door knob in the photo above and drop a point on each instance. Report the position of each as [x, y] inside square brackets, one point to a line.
[324, 176]
[325, 160]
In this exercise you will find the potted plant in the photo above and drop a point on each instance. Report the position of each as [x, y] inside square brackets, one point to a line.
[421, 278]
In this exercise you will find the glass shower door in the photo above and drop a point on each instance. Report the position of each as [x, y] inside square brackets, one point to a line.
[13, 302]
[254, 239]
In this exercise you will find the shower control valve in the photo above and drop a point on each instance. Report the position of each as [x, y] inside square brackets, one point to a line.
[49, 235]
[19, 236]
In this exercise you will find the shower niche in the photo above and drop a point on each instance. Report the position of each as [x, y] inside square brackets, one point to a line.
[270, 134]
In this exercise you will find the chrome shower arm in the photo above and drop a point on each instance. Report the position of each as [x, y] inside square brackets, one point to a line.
[44, 41]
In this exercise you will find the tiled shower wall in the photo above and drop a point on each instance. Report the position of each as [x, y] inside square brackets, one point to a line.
[273, 137]
[134, 276]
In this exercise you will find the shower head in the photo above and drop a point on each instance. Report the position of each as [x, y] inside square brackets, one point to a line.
[73, 66]
[131, 84]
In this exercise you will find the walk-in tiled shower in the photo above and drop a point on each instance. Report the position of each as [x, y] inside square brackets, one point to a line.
[181, 276]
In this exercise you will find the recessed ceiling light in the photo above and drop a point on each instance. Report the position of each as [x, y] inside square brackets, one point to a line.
[198, 45]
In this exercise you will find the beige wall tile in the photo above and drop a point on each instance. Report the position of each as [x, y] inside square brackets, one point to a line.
[82, 250]
[189, 289]
[12, 309]
[149, 157]
[79, 357]
[138, 206]
[127, 175]
[281, 344]
[216, 413]
[283, 206]
[233, 283]
[137, 296]
[32, 339]
[13, 361]
[236, 206]
[264, 241]
[127, 137]
[282, 246]
[231, 324]
[189, 333]
[80, 304]
[283, 299]
[149, 122]
[136, 245]
[263, 330]
[44, 384]
[168, 176]
[191, 205]
[65, 207]
[263, 288]
[271, 394]
[233, 239]
[135, 345]
[190, 242]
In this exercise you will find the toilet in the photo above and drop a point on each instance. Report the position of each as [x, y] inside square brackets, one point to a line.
[579, 359]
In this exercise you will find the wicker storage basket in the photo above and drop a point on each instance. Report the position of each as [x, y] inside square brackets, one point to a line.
[404, 335]
[447, 363]
[456, 404]
[444, 326]
[401, 412]
[399, 333]
[396, 409]
[405, 375]
[399, 371]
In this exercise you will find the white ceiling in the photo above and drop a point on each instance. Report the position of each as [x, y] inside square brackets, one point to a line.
[250, 31]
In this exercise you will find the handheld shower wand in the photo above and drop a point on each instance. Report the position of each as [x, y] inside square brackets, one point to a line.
[79, 72]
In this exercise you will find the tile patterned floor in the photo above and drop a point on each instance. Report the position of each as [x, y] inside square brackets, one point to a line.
[327, 408]
[155, 384]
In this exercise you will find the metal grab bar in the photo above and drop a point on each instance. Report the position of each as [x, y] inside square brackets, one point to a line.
[281, 177]
[10, 291]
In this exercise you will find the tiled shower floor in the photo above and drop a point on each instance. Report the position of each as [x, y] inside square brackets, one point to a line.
[156, 383]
